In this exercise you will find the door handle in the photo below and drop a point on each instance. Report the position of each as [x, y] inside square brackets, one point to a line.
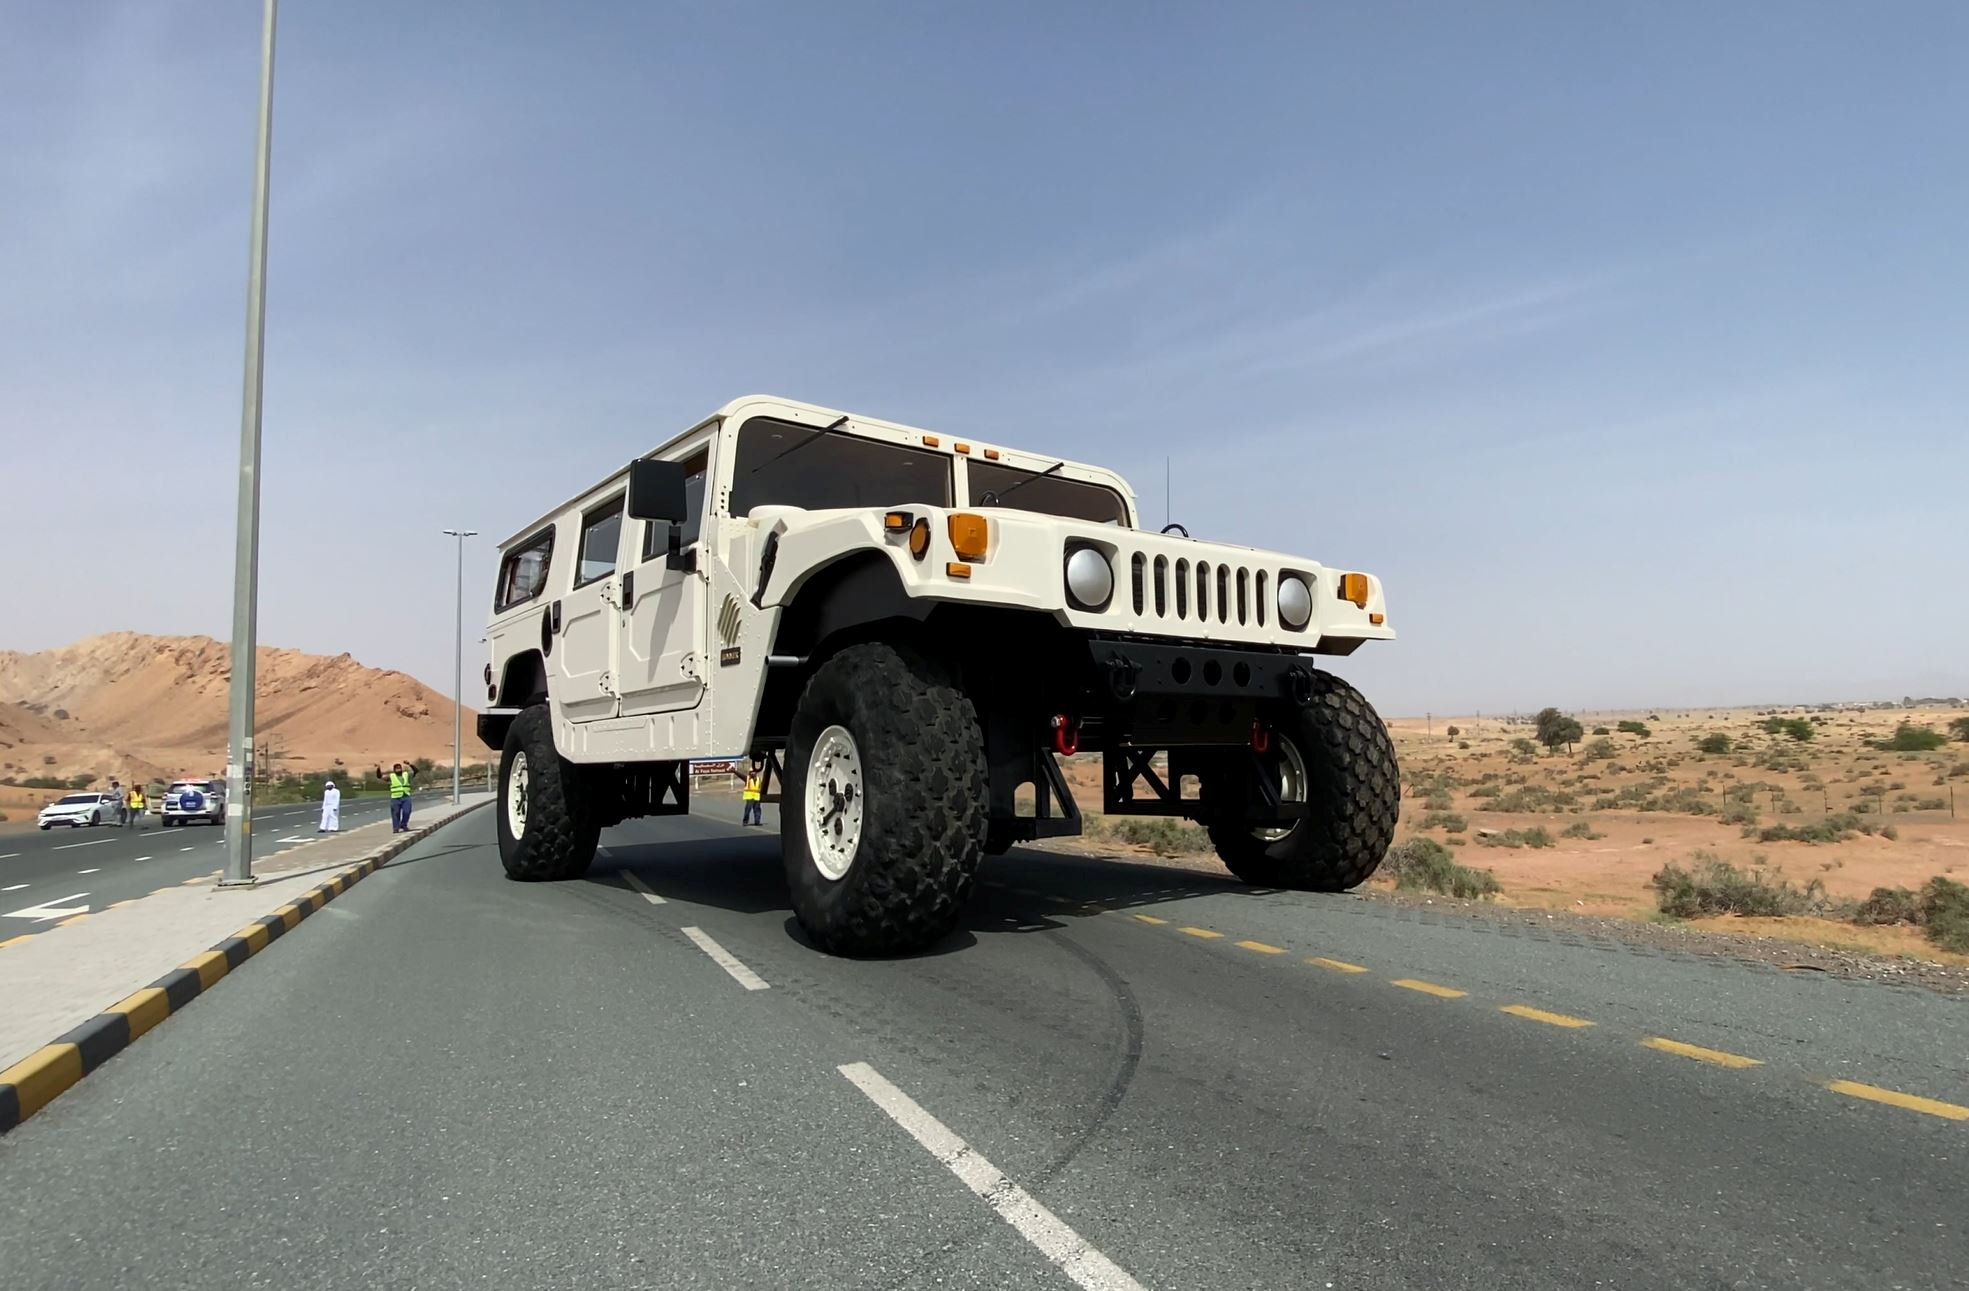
[629, 590]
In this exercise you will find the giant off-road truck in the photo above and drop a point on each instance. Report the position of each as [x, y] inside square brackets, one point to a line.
[910, 630]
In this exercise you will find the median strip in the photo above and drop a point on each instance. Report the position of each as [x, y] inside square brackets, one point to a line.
[40, 1077]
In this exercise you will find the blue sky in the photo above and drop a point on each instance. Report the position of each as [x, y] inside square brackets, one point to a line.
[1629, 344]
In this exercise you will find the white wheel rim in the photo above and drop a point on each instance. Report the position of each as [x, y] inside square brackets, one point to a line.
[834, 802]
[516, 796]
[1291, 786]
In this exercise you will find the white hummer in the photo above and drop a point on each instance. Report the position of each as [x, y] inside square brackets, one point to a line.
[909, 628]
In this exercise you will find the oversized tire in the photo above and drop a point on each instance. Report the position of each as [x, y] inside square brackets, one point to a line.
[544, 832]
[883, 817]
[1343, 759]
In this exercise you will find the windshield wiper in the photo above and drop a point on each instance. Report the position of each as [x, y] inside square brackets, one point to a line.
[998, 499]
[814, 438]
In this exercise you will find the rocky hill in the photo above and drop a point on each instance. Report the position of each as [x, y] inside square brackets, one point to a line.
[128, 704]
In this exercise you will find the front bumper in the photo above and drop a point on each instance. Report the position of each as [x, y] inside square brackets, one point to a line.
[1129, 670]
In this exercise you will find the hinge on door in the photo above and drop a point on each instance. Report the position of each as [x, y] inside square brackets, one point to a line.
[608, 681]
[688, 666]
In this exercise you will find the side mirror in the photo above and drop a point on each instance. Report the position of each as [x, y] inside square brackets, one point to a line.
[656, 491]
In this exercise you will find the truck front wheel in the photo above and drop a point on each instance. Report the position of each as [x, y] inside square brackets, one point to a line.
[1333, 755]
[544, 833]
[883, 818]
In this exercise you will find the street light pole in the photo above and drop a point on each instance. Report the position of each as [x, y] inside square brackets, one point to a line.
[246, 556]
[458, 665]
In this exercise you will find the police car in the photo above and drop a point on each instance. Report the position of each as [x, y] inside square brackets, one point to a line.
[201, 800]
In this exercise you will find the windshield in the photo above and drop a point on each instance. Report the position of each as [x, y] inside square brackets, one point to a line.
[781, 464]
[78, 798]
[1046, 494]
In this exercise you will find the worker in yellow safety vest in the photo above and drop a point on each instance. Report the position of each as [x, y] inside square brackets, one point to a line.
[400, 777]
[134, 807]
[753, 793]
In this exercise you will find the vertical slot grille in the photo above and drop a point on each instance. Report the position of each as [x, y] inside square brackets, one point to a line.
[1261, 598]
[1135, 571]
[1203, 590]
[1182, 589]
[1223, 594]
[1162, 587]
[1243, 596]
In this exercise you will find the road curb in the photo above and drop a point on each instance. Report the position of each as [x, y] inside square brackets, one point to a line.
[44, 1075]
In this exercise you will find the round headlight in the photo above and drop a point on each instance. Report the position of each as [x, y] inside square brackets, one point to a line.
[1090, 579]
[1295, 602]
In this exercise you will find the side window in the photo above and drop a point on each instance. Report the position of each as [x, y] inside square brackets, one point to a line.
[523, 573]
[656, 535]
[601, 540]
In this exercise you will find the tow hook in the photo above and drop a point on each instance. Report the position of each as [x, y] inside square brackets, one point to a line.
[1066, 736]
[1299, 686]
[1122, 673]
[1261, 739]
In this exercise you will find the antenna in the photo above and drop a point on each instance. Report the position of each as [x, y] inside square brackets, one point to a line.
[1166, 516]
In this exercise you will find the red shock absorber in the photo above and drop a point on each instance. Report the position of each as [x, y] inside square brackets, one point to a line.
[1261, 739]
[1066, 736]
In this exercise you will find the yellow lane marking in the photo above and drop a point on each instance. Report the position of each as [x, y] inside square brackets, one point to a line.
[118, 905]
[1337, 965]
[1205, 933]
[145, 1009]
[1720, 1057]
[15, 941]
[1149, 918]
[1540, 1015]
[1894, 1098]
[71, 919]
[1262, 948]
[1430, 988]
[42, 1075]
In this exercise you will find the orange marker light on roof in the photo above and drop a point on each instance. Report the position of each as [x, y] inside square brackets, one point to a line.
[1353, 587]
[991, 454]
[970, 535]
[931, 441]
[961, 447]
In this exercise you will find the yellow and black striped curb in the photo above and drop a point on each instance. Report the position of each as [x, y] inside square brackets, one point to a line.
[41, 1077]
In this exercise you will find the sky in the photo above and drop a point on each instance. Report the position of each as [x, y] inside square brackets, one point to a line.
[1627, 343]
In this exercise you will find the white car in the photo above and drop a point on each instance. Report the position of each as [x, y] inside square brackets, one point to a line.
[189, 800]
[78, 809]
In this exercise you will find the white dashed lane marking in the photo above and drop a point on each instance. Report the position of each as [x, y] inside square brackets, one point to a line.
[643, 888]
[1017, 1207]
[724, 959]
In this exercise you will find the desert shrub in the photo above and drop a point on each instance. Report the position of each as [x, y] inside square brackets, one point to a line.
[1945, 914]
[1635, 728]
[1959, 728]
[1889, 905]
[1836, 828]
[1536, 836]
[1162, 835]
[1958, 771]
[1601, 730]
[1463, 744]
[1448, 821]
[1485, 791]
[1714, 886]
[1889, 833]
[1909, 738]
[1796, 727]
[1600, 750]
[1714, 742]
[1534, 797]
[1438, 802]
[1580, 829]
[1738, 813]
[1520, 747]
[1426, 864]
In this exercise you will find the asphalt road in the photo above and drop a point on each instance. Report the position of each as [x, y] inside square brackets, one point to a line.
[446, 1079]
[68, 869]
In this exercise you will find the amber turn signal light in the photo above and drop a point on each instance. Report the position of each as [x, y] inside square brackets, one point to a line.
[919, 539]
[896, 521]
[1353, 587]
[955, 570]
[970, 535]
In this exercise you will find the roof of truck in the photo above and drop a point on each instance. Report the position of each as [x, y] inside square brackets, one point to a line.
[794, 410]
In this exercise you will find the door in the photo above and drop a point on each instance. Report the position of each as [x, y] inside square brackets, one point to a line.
[661, 655]
[582, 666]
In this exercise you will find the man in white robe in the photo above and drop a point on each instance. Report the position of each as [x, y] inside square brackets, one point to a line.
[331, 809]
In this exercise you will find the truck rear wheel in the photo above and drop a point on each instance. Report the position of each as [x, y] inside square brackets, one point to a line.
[883, 818]
[1336, 757]
[544, 833]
